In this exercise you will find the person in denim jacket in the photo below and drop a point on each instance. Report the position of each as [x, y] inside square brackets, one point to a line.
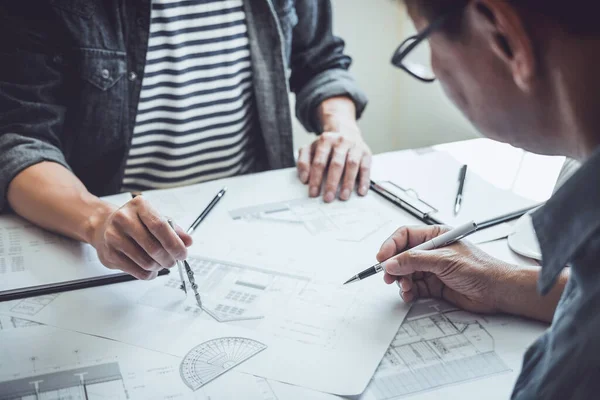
[78, 78]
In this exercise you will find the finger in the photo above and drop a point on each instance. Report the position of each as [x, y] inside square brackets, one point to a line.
[422, 290]
[317, 168]
[412, 261]
[405, 283]
[303, 164]
[407, 237]
[409, 296]
[335, 171]
[125, 264]
[364, 175]
[389, 279]
[169, 240]
[138, 255]
[353, 161]
[128, 220]
[146, 242]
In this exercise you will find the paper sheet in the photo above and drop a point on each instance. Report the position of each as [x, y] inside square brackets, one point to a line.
[307, 330]
[433, 176]
[441, 351]
[31, 256]
[53, 363]
[276, 282]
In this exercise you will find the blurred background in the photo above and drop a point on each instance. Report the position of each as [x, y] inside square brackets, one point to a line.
[402, 112]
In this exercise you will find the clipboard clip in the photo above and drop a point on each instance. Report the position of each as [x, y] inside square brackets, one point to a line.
[407, 199]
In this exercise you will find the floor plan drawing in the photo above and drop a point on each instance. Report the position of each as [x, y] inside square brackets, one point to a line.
[230, 292]
[211, 359]
[351, 222]
[437, 345]
[33, 305]
[7, 322]
[102, 381]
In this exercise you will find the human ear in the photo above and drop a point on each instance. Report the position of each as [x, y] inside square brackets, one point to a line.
[503, 28]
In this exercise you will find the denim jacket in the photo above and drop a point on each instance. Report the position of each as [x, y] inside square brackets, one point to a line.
[72, 72]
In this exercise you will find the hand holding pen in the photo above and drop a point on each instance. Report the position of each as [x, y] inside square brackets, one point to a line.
[137, 240]
[444, 239]
[461, 274]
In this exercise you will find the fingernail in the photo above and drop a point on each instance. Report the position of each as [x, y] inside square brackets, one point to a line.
[329, 196]
[314, 191]
[363, 190]
[345, 194]
[304, 177]
[399, 284]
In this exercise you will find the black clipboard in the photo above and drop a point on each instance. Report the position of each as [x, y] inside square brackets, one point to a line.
[408, 200]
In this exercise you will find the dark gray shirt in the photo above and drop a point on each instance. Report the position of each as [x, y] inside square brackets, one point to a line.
[565, 362]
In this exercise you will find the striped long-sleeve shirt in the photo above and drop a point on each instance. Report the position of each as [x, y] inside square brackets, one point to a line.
[196, 115]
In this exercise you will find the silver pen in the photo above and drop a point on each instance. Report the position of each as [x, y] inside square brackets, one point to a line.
[443, 240]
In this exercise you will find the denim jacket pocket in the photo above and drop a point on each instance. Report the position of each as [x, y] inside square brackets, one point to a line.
[288, 19]
[103, 68]
[99, 103]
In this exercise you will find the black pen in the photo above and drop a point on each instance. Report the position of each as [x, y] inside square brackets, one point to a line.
[208, 208]
[461, 185]
[42, 290]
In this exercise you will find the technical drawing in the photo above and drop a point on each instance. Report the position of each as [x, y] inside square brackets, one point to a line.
[437, 345]
[211, 359]
[230, 292]
[33, 305]
[94, 382]
[345, 221]
[7, 322]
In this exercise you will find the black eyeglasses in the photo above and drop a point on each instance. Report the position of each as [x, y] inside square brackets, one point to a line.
[413, 55]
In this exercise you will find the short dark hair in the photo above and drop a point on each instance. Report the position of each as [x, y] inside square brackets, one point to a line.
[578, 17]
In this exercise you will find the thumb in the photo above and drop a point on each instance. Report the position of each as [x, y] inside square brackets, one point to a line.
[412, 261]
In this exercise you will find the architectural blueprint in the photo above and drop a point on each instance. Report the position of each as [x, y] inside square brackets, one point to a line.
[31, 256]
[92, 382]
[230, 292]
[319, 326]
[278, 284]
[49, 363]
[7, 323]
[437, 345]
[347, 222]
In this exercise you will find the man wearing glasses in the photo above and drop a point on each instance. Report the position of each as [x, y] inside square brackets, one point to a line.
[524, 72]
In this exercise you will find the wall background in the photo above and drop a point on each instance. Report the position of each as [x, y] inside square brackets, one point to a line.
[403, 112]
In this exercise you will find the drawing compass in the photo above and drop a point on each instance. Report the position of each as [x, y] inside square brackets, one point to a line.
[179, 266]
[190, 274]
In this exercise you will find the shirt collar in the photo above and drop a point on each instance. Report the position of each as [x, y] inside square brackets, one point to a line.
[566, 222]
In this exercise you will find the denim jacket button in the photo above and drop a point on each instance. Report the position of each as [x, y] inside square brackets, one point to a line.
[105, 73]
[132, 76]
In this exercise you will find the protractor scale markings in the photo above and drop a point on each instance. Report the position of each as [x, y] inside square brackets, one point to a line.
[213, 358]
